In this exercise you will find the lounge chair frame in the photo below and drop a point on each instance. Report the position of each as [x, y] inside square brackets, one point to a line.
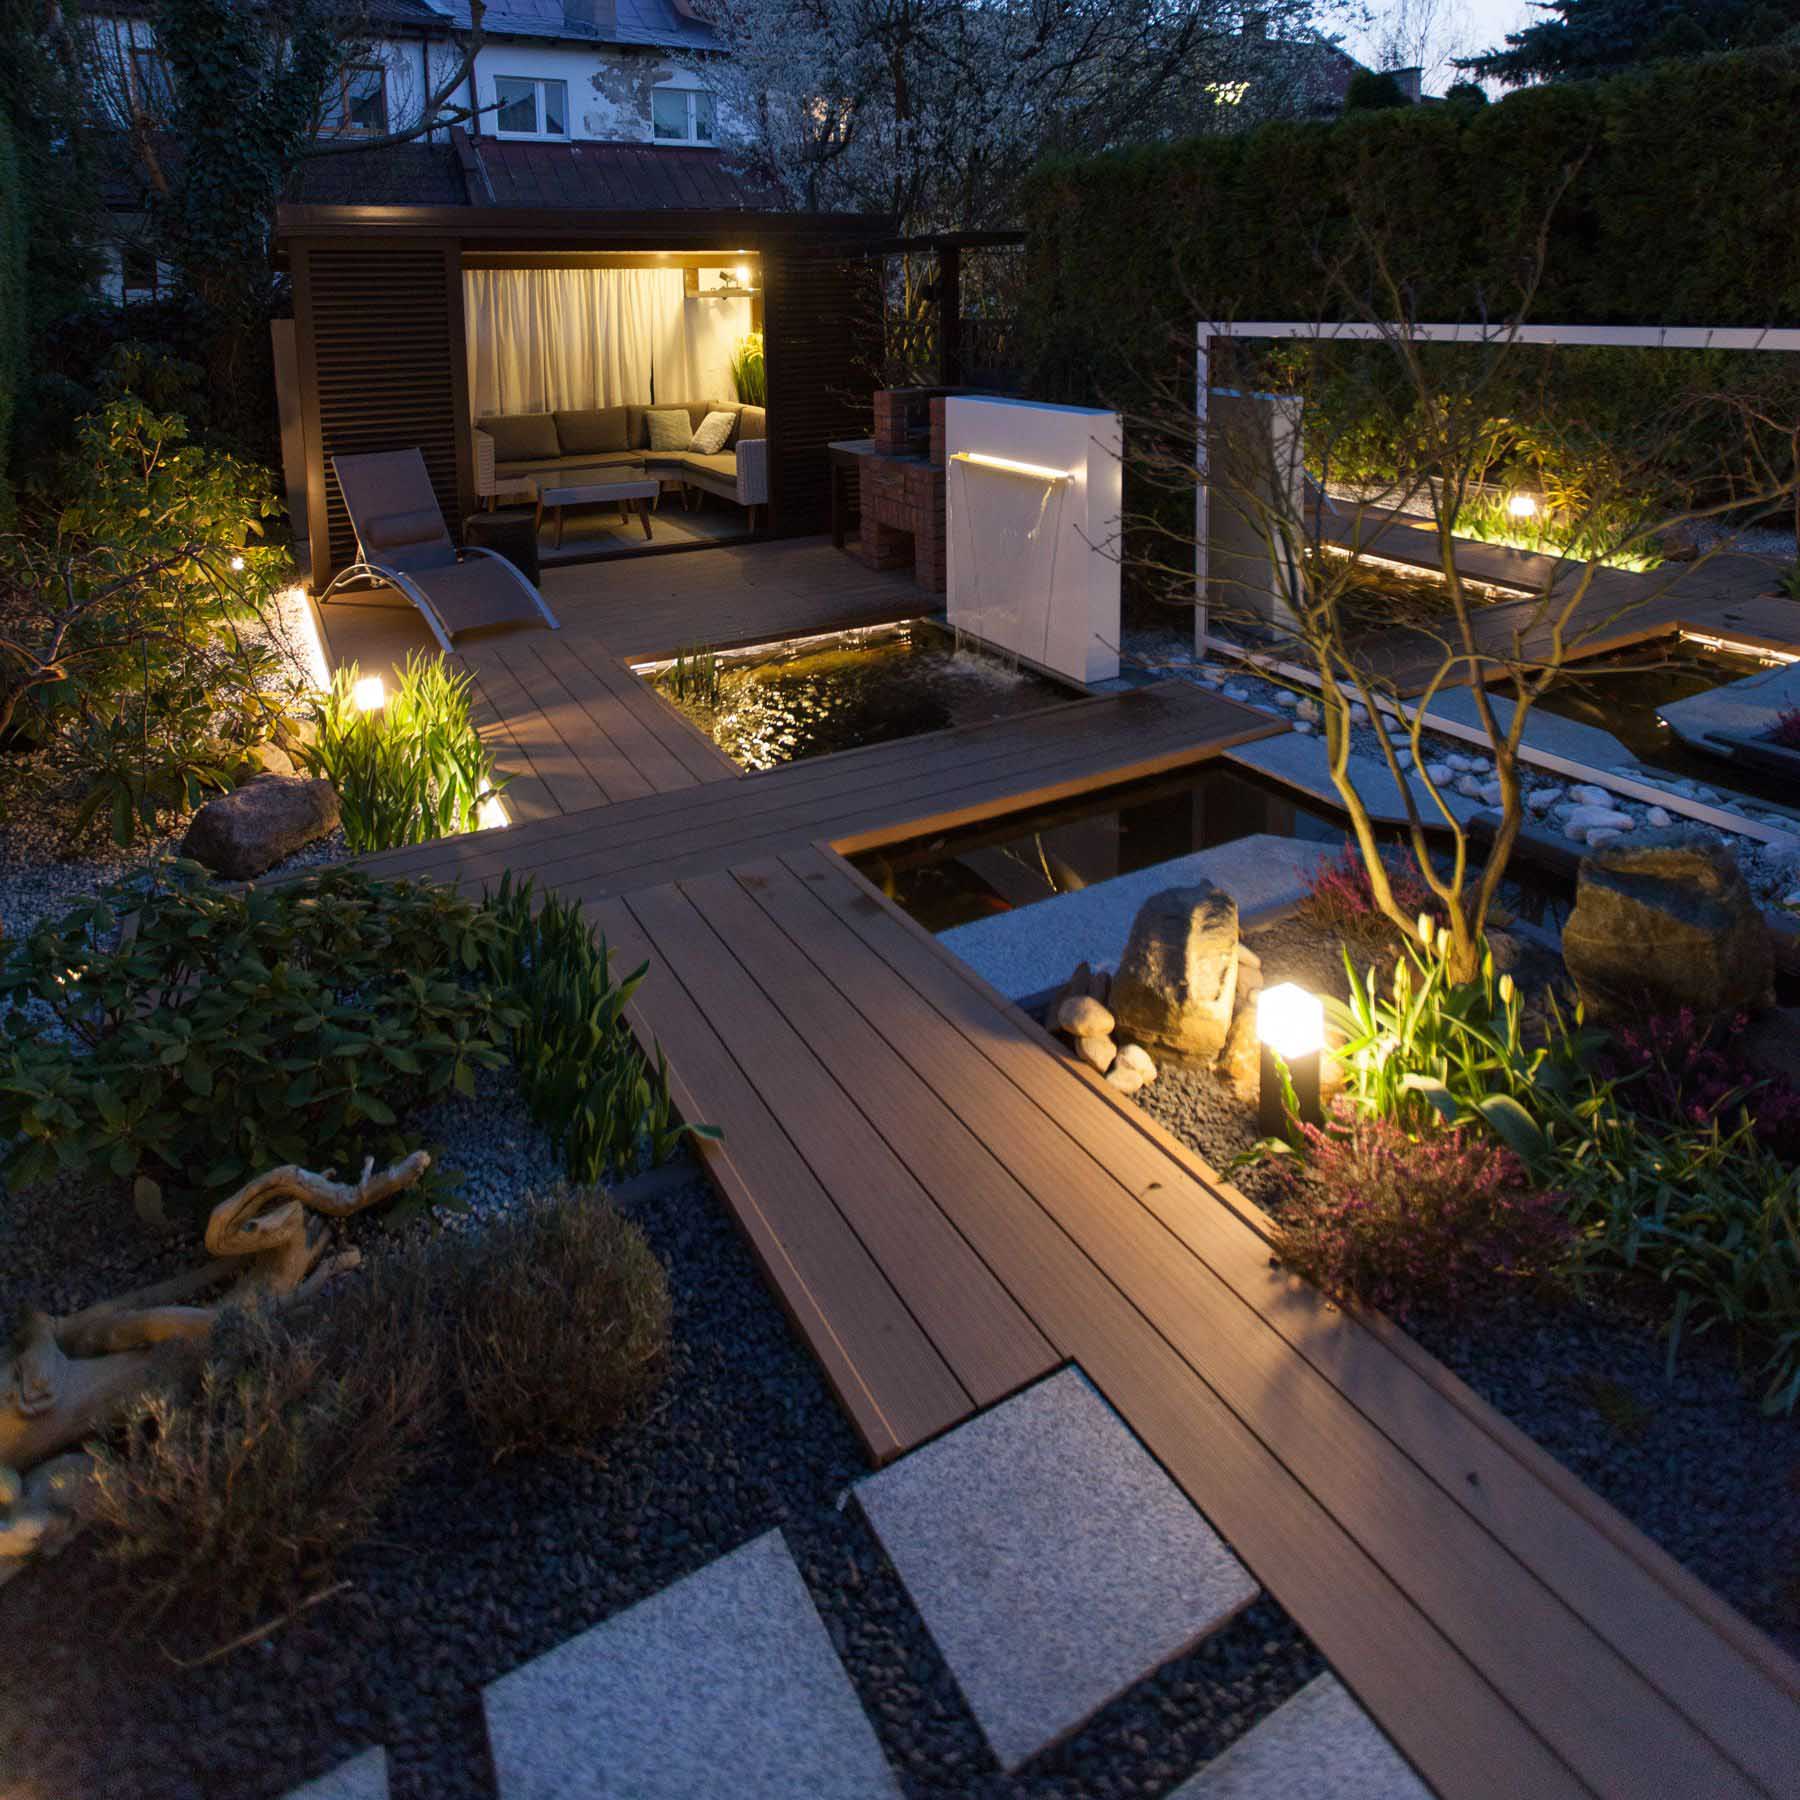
[384, 575]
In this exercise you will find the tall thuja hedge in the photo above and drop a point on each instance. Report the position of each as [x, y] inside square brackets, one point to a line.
[1677, 206]
[12, 305]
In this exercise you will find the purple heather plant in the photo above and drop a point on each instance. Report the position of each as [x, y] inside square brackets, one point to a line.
[1341, 897]
[1398, 1222]
[1786, 730]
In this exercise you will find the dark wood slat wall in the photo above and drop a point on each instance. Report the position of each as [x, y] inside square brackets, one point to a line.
[382, 343]
[822, 315]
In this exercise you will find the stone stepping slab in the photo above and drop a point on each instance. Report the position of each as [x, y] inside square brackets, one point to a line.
[363, 1777]
[724, 1686]
[1053, 1561]
[1320, 1745]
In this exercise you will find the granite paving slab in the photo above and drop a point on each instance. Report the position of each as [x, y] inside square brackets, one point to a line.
[1320, 1745]
[363, 1777]
[1300, 761]
[1027, 951]
[1053, 1561]
[724, 1686]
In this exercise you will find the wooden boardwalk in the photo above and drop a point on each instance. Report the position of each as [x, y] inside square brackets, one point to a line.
[949, 1208]
[1727, 597]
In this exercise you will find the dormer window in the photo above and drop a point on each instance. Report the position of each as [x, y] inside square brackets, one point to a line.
[356, 103]
[681, 114]
[531, 107]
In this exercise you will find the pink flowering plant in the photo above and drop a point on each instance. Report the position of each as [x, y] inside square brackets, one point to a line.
[1786, 730]
[1397, 1222]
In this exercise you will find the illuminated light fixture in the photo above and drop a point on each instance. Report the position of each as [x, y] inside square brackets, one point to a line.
[1522, 506]
[369, 694]
[742, 272]
[296, 611]
[734, 284]
[1007, 466]
[237, 564]
[490, 815]
[1290, 1026]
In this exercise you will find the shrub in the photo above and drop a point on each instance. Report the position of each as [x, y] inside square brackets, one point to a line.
[561, 1324]
[236, 1030]
[584, 1077]
[410, 770]
[1786, 731]
[235, 1483]
[1397, 1222]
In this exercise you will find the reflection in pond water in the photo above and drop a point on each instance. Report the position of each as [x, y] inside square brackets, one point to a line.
[780, 703]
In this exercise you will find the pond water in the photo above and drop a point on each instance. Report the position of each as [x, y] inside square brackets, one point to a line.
[779, 703]
[1621, 693]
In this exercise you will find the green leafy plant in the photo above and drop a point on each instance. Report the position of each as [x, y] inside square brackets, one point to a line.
[1788, 581]
[748, 370]
[693, 679]
[583, 1075]
[233, 1030]
[560, 1323]
[411, 769]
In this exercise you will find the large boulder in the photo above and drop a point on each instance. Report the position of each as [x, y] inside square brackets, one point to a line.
[1662, 921]
[1178, 978]
[240, 834]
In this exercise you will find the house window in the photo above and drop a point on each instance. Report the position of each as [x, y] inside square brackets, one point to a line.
[152, 89]
[356, 105]
[681, 115]
[137, 273]
[531, 108]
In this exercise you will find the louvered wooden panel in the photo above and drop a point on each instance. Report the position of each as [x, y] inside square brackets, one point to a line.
[822, 333]
[385, 346]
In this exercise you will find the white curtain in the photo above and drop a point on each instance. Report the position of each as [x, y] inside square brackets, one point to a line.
[540, 339]
[714, 330]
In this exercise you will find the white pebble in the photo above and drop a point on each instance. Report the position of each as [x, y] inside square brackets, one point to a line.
[1287, 697]
[1598, 839]
[1235, 690]
[1658, 817]
[1437, 773]
[1304, 727]
[1587, 794]
[1468, 786]
[1542, 799]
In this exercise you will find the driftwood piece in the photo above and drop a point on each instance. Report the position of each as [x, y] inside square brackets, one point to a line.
[67, 1378]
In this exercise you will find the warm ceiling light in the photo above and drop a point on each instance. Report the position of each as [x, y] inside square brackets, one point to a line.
[1523, 506]
[1007, 466]
[369, 694]
[742, 272]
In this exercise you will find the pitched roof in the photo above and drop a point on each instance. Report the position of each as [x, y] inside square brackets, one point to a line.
[663, 24]
[393, 175]
[604, 177]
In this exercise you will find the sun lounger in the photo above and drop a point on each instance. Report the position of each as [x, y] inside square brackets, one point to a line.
[403, 543]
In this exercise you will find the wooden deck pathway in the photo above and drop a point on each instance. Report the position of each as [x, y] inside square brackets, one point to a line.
[1727, 597]
[949, 1208]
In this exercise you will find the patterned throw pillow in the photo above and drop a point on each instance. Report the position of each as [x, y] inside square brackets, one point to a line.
[671, 430]
[715, 428]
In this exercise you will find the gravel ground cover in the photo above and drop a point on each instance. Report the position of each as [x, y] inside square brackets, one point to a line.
[1686, 1455]
[477, 1569]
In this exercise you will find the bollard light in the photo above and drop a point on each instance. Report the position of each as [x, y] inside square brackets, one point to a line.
[490, 815]
[1290, 1026]
[369, 694]
[1522, 506]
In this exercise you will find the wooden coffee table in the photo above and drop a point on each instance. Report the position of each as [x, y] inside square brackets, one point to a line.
[597, 489]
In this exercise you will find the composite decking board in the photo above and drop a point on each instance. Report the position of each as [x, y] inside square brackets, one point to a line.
[675, 733]
[628, 761]
[885, 1372]
[591, 735]
[527, 799]
[987, 1343]
[1602, 1715]
[1733, 1696]
[1270, 1519]
[552, 761]
[922, 782]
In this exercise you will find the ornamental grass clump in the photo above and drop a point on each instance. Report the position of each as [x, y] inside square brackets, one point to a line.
[410, 769]
[561, 1324]
[1393, 1221]
[235, 1483]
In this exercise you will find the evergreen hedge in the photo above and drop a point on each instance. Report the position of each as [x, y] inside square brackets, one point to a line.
[1682, 207]
[12, 304]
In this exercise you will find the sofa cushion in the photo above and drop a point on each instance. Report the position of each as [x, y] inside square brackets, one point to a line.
[554, 465]
[593, 432]
[753, 422]
[713, 434]
[669, 427]
[521, 437]
[638, 430]
[722, 466]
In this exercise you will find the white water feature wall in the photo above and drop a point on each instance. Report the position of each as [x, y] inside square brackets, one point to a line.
[1033, 496]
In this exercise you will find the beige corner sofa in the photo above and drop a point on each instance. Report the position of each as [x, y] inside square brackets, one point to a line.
[513, 451]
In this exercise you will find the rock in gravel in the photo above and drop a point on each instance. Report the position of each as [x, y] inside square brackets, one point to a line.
[1287, 697]
[1241, 1062]
[1600, 837]
[1136, 1058]
[1178, 978]
[1125, 1078]
[1658, 818]
[1468, 787]
[1304, 727]
[1097, 1051]
[1437, 773]
[1583, 819]
[240, 834]
[1082, 1016]
[1666, 921]
[1540, 800]
[1585, 793]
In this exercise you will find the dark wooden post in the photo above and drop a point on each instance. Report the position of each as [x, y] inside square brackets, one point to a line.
[950, 357]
